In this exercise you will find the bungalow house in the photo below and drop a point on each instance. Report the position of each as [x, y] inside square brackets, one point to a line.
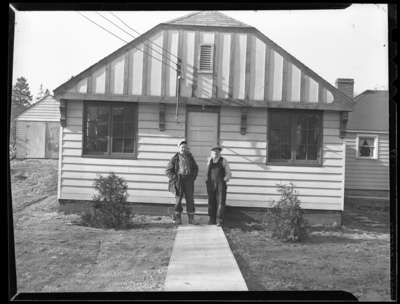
[37, 130]
[212, 80]
[367, 146]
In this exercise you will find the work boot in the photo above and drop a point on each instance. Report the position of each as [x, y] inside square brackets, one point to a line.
[219, 222]
[177, 218]
[191, 219]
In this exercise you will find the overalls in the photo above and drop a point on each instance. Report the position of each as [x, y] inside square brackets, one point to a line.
[216, 189]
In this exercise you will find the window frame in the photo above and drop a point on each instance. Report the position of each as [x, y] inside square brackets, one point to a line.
[210, 71]
[109, 153]
[376, 144]
[292, 161]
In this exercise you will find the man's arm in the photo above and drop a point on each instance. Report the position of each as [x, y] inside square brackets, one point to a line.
[228, 173]
[170, 171]
[195, 168]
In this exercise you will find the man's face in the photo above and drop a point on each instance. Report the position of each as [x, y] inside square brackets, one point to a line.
[215, 154]
[183, 148]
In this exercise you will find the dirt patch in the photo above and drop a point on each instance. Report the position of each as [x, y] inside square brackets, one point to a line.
[353, 258]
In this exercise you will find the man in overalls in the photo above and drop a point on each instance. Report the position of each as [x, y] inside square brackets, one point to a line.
[218, 174]
[182, 171]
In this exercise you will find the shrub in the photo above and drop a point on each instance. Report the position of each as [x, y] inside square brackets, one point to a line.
[110, 209]
[12, 151]
[286, 216]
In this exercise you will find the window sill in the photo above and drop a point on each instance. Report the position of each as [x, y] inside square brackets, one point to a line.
[205, 72]
[368, 158]
[109, 156]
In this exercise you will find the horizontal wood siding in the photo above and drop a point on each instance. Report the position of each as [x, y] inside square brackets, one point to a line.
[145, 175]
[368, 174]
[47, 109]
[253, 183]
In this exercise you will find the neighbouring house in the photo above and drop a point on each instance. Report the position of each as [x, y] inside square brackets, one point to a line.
[37, 130]
[367, 146]
[276, 119]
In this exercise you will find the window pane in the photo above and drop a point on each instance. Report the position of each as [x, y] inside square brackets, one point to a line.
[123, 129]
[307, 136]
[117, 145]
[96, 121]
[366, 146]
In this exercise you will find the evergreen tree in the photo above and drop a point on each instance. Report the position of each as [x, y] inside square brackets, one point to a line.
[21, 95]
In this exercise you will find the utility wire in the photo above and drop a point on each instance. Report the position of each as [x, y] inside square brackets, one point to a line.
[184, 65]
[132, 29]
[104, 17]
[115, 35]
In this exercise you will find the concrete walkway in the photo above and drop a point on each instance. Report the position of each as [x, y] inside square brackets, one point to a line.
[202, 261]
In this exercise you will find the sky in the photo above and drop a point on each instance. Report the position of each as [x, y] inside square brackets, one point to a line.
[52, 46]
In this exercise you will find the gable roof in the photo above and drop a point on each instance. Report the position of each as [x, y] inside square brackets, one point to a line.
[208, 18]
[50, 111]
[370, 111]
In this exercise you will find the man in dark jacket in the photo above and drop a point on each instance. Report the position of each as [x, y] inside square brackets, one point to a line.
[218, 174]
[182, 171]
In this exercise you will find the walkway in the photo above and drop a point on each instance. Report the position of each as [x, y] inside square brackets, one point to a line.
[202, 261]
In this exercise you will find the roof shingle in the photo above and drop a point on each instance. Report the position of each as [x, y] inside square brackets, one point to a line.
[208, 18]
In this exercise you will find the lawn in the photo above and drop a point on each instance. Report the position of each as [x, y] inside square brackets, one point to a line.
[353, 258]
[56, 254]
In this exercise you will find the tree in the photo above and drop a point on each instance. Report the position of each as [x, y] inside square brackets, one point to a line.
[40, 94]
[20, 99]
[21, 95]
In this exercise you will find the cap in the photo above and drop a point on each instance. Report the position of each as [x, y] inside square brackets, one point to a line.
[182, 142]
[216, 148]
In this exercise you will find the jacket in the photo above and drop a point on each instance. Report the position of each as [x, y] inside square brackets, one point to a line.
[173, 169]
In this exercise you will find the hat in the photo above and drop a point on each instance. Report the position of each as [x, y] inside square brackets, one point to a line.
[182, 142]
[216, 148]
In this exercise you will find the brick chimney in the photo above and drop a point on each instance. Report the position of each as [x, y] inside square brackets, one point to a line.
[346, 85]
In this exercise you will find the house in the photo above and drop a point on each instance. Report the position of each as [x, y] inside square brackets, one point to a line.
[367, 146]
[276, 119]
[37, 130]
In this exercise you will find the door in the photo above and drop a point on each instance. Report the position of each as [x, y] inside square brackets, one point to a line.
[35, 139]
[52, 139]
[202, 135]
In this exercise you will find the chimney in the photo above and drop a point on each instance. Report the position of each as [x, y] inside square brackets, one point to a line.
[346, 85]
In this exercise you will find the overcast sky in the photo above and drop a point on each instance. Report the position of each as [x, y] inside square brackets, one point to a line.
[50, 47]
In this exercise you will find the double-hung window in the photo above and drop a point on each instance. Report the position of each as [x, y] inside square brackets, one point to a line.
[367, 146]
[294, 137]
[109, 129]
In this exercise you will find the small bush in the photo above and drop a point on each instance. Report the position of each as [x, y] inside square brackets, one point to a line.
[286, 216]
[110, 209]
[12, 151]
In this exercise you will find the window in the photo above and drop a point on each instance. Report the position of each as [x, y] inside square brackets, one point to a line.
[109, 129]
[367, 146]
[206, 58]
[295, 137]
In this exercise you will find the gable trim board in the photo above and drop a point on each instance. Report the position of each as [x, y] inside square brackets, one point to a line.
[341, 101]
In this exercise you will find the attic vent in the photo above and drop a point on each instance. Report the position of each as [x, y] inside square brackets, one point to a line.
[206, 57]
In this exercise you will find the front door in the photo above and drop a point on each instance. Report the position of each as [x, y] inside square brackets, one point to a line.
[202, 135]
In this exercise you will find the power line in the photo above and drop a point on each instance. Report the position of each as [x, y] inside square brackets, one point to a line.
[191, 77]
[132, 29]
[115, 35]
[104, 17]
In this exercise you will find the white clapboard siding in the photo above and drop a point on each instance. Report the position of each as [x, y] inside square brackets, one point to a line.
[47, 109]
[368, 174]
[253, 182]
[145, 175]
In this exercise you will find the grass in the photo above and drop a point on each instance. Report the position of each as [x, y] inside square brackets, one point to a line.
[54, 253]
[354, 258]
